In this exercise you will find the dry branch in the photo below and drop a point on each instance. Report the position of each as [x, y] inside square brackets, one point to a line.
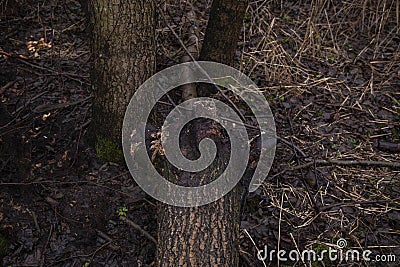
[321, 162]
[140, 229]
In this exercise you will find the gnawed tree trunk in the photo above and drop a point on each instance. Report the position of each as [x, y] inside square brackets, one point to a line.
[123, 50]
[206, 235]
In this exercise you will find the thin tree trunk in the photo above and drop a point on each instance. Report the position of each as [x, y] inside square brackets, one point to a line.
[222, 34]
[206, 235]
[123, 50]
[223, 29]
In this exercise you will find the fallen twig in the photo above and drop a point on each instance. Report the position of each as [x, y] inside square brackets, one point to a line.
[8, 85]
[107, 238]
[354, 203]
[390, 147]
[322, 162]
[49, 107]
[292, 145]
[140, 229]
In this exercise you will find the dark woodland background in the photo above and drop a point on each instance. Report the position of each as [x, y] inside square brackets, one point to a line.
[330, 71]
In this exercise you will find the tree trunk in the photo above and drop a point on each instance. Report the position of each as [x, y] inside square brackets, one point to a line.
[199, 236]
[206, 235]
[123, 50]
[223, 29]
[222, 34]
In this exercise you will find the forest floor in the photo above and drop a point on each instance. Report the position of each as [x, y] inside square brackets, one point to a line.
[331, 74]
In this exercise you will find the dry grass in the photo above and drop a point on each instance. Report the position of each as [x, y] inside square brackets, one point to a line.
[330, 70]
[339, 59]
[282, 43]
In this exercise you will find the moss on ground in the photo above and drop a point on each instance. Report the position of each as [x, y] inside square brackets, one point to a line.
[3, 247]
[107, 150]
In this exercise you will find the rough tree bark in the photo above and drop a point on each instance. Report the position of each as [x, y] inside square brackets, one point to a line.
[206, 235]
[123, 50]
[223, 29]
